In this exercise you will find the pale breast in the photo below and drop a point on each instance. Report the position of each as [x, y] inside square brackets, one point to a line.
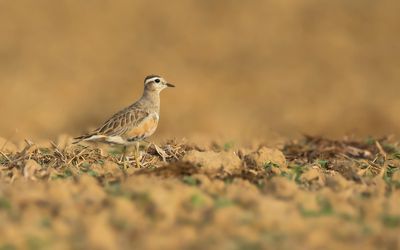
[144, 129]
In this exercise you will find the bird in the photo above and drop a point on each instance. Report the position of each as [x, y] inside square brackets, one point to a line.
[134, 123]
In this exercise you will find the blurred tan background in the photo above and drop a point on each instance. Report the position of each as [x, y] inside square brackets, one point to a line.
[243, 69]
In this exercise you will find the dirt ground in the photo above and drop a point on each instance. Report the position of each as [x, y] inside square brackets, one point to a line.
[313, 193]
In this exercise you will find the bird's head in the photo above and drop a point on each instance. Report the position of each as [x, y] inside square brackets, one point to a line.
[156, 83]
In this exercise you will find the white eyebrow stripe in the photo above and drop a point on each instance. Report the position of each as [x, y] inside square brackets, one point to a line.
[152, 79]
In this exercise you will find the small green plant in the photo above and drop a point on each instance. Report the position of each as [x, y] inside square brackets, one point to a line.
[389, 148]
[100, 161]
[297, 171]
[46, 222]
[67, 173]
[370, 141]
[45, 151]
[323, 163]
[242, 243]
[197, 200]
[5, 203]
[391, 221]
[3, 160]
[93, 173]
[221, 202]
[113, 188]
[119, 224]
[141, 197]
[35, 243]
[325, 209]
[7, 246]
[228, 145]
[228, 181]
[86, 164]
[269, 165]
[396, 155]
[190, 180]
[387, 175]
[287, 175]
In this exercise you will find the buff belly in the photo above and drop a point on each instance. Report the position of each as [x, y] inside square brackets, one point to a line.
[143, 130]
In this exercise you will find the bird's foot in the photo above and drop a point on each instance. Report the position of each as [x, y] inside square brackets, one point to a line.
[136, 158]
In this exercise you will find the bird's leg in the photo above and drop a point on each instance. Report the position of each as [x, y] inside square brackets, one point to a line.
[124, 158]
[124, 152]
[148, 145]
[137, 154]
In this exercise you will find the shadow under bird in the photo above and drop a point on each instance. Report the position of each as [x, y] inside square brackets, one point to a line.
[134, 123]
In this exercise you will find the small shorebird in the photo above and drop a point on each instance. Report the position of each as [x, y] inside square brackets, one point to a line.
[134, 123]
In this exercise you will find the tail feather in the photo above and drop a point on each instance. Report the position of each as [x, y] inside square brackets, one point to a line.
[82, 138]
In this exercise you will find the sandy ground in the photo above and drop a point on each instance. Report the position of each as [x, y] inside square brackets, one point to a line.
[309, 194]
[242, 69]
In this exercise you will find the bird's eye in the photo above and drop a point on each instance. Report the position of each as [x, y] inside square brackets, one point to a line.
[157, 80]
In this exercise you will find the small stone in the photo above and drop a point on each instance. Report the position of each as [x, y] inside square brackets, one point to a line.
[265, 155]
[212, 161]
[283, 188]
[30, 168]
[337, 182]
[313, 175]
